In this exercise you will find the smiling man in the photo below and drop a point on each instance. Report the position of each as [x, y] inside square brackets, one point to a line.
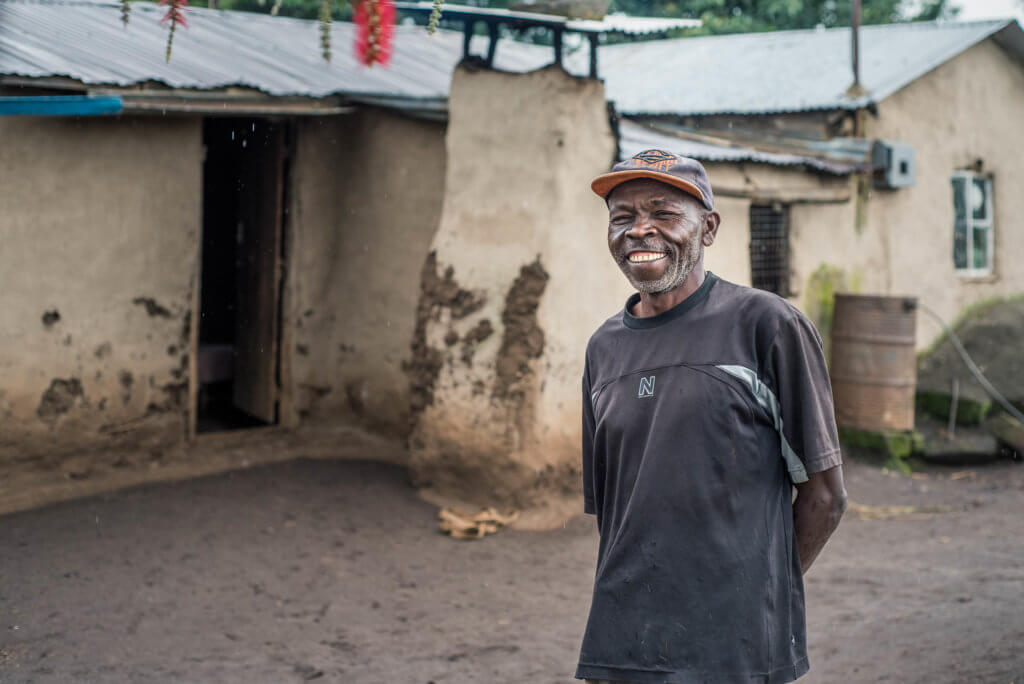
[704, 403]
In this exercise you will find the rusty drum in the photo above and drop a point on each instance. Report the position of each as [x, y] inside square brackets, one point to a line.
[873, 367]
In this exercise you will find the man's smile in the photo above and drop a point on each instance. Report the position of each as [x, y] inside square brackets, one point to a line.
[644, 256]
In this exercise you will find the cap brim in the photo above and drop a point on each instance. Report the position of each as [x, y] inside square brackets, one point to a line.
[604, 184]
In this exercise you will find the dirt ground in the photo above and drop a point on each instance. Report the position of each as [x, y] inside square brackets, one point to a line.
[334, 570]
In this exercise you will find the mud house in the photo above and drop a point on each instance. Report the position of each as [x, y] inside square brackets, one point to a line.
[249, 237]
[934, 115]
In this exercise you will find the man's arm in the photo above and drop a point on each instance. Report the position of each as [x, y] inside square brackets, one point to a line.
[820, 503]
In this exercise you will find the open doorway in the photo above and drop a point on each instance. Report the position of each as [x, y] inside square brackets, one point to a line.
[244, 183]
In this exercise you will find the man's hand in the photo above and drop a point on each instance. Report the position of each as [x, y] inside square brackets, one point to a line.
[819, 505]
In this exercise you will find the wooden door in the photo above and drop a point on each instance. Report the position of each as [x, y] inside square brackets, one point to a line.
[261, 214]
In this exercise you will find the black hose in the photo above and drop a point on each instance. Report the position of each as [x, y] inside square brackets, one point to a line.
[973, 367]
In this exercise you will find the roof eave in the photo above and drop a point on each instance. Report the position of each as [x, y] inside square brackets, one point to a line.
[1011, 39]
[849, 105]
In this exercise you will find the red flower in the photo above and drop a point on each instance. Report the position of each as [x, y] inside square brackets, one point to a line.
[175, 12]
[375, 28]
[175, 16]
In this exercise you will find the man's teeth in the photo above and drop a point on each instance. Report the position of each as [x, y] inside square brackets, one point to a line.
[637, 257]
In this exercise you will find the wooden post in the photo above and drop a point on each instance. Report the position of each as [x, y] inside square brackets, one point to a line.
[954, 408]
[593, 54]
[558, 46]
[492, 29]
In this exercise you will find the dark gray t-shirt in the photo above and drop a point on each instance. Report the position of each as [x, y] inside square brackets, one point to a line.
[695, 423]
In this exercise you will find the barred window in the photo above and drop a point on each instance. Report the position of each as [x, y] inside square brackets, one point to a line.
[972, 223]
[769, 248]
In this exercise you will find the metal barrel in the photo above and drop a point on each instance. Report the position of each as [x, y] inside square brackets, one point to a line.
[874, 368]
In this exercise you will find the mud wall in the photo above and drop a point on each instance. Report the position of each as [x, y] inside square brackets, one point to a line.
[367, 194]
[819, 230]
[99, 226]
[968, 110]
[518, 278]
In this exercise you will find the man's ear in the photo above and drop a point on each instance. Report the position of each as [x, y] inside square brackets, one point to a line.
[711, 222]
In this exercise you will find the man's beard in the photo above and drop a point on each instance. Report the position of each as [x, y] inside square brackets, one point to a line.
[681, 265]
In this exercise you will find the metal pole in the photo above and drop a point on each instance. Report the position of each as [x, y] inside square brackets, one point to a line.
[467, 36]
[855, 27]
[558, 46]
[593, 54]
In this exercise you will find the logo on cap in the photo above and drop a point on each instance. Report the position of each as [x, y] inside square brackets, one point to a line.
[655, 159]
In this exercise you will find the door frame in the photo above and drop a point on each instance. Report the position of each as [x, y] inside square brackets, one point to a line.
[285, 415]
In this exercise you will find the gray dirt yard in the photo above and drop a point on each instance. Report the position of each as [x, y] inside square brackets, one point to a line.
[335, 571]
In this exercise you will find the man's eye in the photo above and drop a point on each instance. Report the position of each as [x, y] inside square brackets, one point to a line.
[664, 214]
[620, 220]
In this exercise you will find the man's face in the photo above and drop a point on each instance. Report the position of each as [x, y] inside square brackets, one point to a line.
[656, 233]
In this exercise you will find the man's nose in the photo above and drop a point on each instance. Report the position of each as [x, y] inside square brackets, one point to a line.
[641, 229]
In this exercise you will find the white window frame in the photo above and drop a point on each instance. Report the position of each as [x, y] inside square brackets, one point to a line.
[987, 223]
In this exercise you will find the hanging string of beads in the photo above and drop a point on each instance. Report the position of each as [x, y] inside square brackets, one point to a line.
[375, 27]
[374, 19]
[175, 15]
[326, 6]
[435, 18]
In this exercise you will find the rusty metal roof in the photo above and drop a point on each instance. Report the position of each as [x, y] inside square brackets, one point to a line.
[634, 137]
[280, 56]
[785, 71]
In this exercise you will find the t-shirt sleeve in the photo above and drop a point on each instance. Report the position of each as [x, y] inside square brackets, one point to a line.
[798, 375]
[589, 505]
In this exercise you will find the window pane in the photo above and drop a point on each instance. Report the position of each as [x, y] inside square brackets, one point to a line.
[960, 244]
[979, 198]
[960, 198]
[980, 252]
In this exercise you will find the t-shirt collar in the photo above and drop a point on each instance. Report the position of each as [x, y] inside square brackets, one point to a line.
[680, 309]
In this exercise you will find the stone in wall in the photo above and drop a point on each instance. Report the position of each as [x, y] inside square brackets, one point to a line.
[440, 295]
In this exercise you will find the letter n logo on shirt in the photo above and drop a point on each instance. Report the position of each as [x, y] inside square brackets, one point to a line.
[646, 387]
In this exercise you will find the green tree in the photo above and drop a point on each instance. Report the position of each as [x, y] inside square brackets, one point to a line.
[740, 16]
[305, 9]
[719, 16]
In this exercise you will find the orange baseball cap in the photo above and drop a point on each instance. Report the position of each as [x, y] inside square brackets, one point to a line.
[681, 172]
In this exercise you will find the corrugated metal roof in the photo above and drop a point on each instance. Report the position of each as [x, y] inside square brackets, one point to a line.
[633, 26]
[278, 55]
[635, 138]
[751, 73]
[612, 23]
[784, 71]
